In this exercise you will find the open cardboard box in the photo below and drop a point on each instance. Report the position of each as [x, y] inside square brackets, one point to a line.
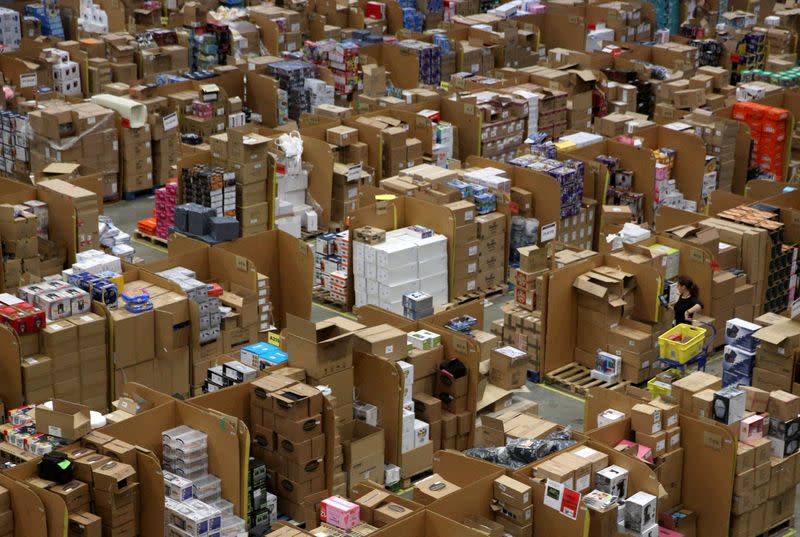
[65, 419]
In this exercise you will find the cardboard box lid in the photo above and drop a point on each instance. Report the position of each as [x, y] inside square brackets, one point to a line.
[777, 334]
[61, 168]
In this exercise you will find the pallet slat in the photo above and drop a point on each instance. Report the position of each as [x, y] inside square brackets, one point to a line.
[578, 379]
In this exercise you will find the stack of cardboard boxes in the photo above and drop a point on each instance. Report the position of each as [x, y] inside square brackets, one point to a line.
[83, 203]
[464, 272]
[245, 151]
[776, 356]
[137, 159]
[77, 349]
[90, 130]
[491, 250]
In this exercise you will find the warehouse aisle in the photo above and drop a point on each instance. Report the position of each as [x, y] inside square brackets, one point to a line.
[565, 409]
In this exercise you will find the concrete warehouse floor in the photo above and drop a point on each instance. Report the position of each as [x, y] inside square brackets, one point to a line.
[555, 405]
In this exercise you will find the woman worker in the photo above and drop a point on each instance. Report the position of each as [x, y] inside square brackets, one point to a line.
[688, 303]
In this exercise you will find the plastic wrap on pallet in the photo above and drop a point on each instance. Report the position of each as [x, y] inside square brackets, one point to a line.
[519, 452]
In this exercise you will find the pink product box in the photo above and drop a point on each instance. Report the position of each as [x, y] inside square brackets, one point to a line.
[339, 512]
[751, 428]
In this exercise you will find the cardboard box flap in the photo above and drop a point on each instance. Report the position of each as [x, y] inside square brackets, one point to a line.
[778, 333]
[585, 285]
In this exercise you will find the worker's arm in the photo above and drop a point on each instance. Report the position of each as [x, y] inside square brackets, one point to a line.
[691, 311]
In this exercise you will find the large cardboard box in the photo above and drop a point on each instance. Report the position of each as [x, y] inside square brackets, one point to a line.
[323, 348]
[67, 420]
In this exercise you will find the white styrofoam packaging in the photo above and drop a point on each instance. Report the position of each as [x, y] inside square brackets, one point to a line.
[609, 416]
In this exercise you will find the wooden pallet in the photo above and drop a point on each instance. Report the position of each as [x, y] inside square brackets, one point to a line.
[158, 241]
[407, 482]
[578, 379]
[780, 529]
[321, 296]
[495, 290]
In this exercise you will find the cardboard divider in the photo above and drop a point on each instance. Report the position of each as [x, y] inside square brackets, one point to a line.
[720, 201]
[10, 368]
[709, 464]
[427, 524]
[380, 382]
[689, 161]
[30, 515]
[759, 189]
[226, 458]
[475, 479]
[370, 315]
[55, 510]
[669, 217]
[288, 263]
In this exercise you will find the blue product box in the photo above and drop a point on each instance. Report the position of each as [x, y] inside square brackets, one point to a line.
[739, 333]
[736, 359]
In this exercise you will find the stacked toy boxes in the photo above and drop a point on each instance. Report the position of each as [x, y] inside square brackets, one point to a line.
[49, 16]
[430, 59]
[166, 199]
[10, 32]
[291, 76]
[331, 265]
[210, 187]
[56, 298]
[344, 64]
[739, 355]
[15, 158]
[204, 295]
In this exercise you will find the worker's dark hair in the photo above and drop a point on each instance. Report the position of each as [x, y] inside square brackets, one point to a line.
[689, 284]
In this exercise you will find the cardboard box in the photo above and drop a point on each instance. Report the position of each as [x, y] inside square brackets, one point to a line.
[433, 488]
[67, 420]
[382, 340]
[323, 348]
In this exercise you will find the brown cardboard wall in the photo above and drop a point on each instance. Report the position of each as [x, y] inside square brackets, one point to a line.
[10, 368]
[29, 511]
[709, 464]
[287, 262]
[380, 383]
[55, 510]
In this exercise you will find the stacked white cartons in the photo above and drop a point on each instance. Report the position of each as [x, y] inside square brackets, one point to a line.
[66, 73]
[533, 109]
[95, 262]
[93, 18]
[10, 30]
[404, 263]
[492, 178]
[396, 269]
[292, 208]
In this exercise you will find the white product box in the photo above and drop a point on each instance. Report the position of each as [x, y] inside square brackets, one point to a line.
[397, 274]
[391, 474]
[395, 253]
[433, 248]
[176, 487]
[365, 412]
[613, 480]
[729, 405]
[394, 293]
[640, 512]
[408, 431]
[408, 380]
[609, 416]
[422, 433]
[432, 267]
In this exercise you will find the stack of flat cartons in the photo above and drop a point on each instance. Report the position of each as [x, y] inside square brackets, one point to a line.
[137, 159]
[491, 250]
[92, 359]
